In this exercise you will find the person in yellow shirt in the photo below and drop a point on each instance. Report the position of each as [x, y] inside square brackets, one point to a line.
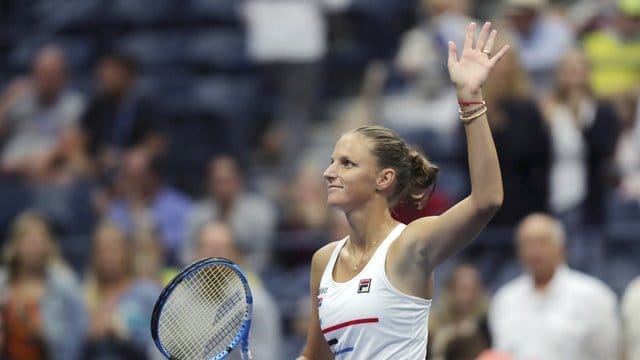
[615, 52]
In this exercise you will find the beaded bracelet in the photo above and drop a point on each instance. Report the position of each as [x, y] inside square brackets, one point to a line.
[476, 114]
[468, 113]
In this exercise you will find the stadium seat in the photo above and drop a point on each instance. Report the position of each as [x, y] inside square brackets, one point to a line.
[79, 50]
[55, 15]
[141, 12]
[153, 49]
[223, 11]
[217, 49]
[620, 270]
[229, 97]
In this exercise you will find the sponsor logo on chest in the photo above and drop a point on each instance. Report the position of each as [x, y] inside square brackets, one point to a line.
[364, 286]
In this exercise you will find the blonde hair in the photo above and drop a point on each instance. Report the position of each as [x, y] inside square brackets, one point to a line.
[93, 288]
[573, 54]
[518, 85]
[446, 313]
[21, 225]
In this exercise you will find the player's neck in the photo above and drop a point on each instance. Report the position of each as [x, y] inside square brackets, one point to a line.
[367, 226]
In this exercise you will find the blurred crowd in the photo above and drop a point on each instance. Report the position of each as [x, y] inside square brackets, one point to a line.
[137, 136]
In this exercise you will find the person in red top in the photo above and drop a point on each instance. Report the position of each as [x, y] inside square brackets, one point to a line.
[24, 341]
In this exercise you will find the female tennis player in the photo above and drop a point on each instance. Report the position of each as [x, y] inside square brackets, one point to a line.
[371, 291]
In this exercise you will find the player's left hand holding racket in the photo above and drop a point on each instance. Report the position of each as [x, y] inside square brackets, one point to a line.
[204, 312]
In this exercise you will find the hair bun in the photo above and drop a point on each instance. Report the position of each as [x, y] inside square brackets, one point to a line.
[423, 176]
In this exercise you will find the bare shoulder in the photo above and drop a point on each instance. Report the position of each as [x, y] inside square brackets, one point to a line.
[417, 229]
[405, 265]
[321, 256]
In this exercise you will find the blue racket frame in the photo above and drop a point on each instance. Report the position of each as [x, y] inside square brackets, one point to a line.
[242, 337]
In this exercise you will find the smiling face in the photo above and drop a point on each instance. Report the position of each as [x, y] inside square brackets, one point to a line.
[352, 176]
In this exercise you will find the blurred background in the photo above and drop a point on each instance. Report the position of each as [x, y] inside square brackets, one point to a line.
[139, 135]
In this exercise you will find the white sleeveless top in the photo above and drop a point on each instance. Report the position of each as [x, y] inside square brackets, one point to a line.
[366, 318]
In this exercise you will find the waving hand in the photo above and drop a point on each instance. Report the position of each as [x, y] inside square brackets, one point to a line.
[470, 71]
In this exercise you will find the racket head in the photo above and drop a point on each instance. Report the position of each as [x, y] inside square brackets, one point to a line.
[173, 305]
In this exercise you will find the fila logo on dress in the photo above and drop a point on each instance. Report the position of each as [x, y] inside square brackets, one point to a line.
[364, 285]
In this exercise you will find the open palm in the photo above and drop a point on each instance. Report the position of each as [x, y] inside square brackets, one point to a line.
[470, 71]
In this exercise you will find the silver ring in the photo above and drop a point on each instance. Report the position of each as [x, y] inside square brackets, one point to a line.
[487, 52]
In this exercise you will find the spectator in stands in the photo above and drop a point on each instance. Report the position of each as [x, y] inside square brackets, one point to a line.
[303, 201]
[583, 132]
[614, 52]
[119, 117]
[468, 344]
[299, 325]
[522, 140]
[228, 200]
[288, 40]
[119, 303]
[553, 312]
[216, 238]
[304, 214]
[149, 256]
[427, 99]
[542, 38]
[43, 315]
[627, 155]
[631, 318]
[460, 314]
[39, 123]
[143, 200]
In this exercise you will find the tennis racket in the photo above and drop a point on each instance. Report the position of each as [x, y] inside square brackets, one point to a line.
[204, 312]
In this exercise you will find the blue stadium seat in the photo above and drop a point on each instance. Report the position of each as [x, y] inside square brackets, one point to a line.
[508, 271]
[14, 197]
[622, 210]
[223, 11]
[153, 49]
[287, 297]
[453, 180]
[194, 140]
[76, 250]
[230, 97]
[173, 87]
[217, 49]
[381, 10]
[620, 270]
[142, 12]
[79, 50]
[54, 15]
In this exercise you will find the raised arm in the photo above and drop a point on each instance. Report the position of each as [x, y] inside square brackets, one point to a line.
[437, 238]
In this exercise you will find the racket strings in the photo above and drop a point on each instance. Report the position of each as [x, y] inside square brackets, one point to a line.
[204, 314]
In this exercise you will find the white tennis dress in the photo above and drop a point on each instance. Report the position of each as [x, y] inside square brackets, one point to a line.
[366, 318]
